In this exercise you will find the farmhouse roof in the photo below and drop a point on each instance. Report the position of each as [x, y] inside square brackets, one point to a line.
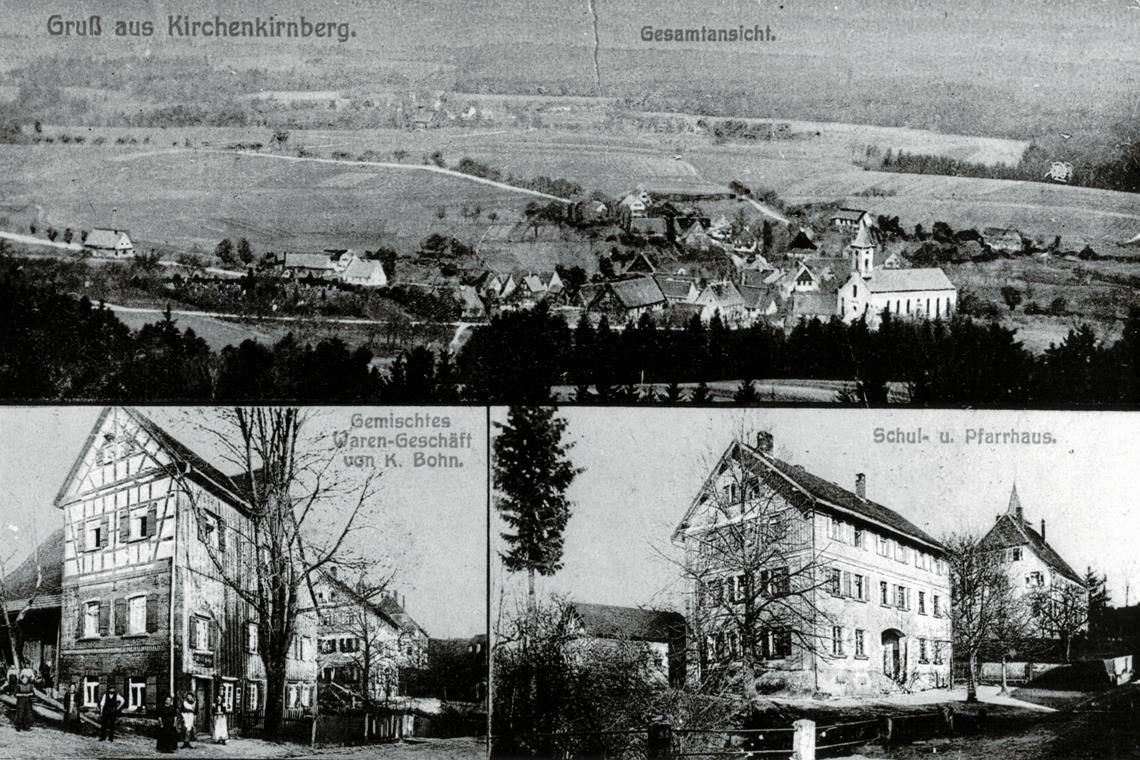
[823, 493]
[40, 576]
[901, 280]
[101, 237]
[1006, 232]
[675, 287]
[649, 225]
[383, 605]
[822, 305]
[607, 621]
[306, 261]
[849, 215]
[637, 293]
[723, 293]
[802, 241]
[469, 299]
[362, 269]
[759, 296]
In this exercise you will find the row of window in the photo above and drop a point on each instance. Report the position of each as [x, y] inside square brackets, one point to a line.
[844, 532]
[843, 583]
[773, 644]
[734, 589]
[129, 616]
[139, 694]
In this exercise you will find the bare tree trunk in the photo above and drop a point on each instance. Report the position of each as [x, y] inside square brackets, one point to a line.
[1004, 681]
[530, 599]
[274, 699]
[972, 678]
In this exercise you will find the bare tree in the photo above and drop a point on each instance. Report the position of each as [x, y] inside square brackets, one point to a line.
[979, 589]
[300, 512]
[754, 574]
[13, 623]
[1061, 610]
[1013, 624]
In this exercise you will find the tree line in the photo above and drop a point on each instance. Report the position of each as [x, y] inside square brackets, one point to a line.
[57, 346]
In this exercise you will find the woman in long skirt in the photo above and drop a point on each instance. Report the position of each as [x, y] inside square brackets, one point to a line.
[168, 730]
[187, 710]
[221, 723]
[25, 692]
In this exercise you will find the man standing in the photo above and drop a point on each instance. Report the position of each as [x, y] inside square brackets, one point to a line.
[109, 708]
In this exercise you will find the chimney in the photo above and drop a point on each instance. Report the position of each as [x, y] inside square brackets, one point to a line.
[1042, 530]
[764, 442]
[861, 485]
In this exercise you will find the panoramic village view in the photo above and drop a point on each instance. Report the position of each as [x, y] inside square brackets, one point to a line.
[223, 583]
[729, 595]
[527, 206]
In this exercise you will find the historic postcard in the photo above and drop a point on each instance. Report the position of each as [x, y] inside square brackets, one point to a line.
[249, 582]
[871, 202]
[782, 583]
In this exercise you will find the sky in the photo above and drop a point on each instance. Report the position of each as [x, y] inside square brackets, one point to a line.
[427, 525]
[644, 466]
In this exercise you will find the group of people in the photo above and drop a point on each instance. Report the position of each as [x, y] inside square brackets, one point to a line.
[175, 722]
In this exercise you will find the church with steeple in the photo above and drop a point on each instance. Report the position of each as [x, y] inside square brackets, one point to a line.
[1032, 564]
[876, 285]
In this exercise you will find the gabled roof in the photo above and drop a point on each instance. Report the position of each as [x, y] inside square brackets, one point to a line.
[823, 493]
[722, 293]
[901, 280]
[674, 286]
[1011, 529]
[824, 305]
[649, 225]
[46, 569]
[607, 621]
[383, 605]
[759, 296]
[849, 214]
[637, 293]
[362, 269]
[104, 238]
[193, 466]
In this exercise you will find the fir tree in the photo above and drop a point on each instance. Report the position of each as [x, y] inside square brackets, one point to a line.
[531, 474]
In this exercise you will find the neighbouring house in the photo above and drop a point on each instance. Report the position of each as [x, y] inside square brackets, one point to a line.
[802, 243]
[1004, 239]
[720, 228]
[851, 218]
[1034, 567]
[641, 264]
[904, 293]
[35, 586]
[367, 273]
[298, 265]
[625, 299]
[809, 307]
[859, 596]
[721, 298]
[364, 641]
[677, 289]
[470, 304]
[760, 302]
[633, 206]
[107, 243]
[657, 635]
[143, 606]
[649, 226]
[801, 279]
[890, 260]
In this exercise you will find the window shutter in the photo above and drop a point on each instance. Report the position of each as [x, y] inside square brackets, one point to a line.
[151, 613]
[221, 534]
[212, 631]
[79, 620]
[105, 533]
[152, 520]
[120, 617]
[193, 643]
[846, 583]
[124, 516]
[81, 537]
[104, 618]
[151, 700]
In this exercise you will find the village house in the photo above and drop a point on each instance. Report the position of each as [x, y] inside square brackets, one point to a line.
[634, 205]
[298, 265]
[851, 218]
[471, 306]
[904, 293]
[656, 635]
[365, 273]
[760, 302]
[628, 299]
[721, 298]
[809, 307]
[34, 588]
[677, 289]
[862, 595]
[801, 279]
[364, 642]
[109, 244]
[143, 606]
[1003, 239]
[1034, 567]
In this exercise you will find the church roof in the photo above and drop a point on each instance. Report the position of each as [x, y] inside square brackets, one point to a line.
[863, 238]
[902, 280]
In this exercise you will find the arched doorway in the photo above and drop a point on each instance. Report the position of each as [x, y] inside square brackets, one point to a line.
[892, 641]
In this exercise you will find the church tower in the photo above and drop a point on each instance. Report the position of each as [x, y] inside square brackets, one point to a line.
[862, 251]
